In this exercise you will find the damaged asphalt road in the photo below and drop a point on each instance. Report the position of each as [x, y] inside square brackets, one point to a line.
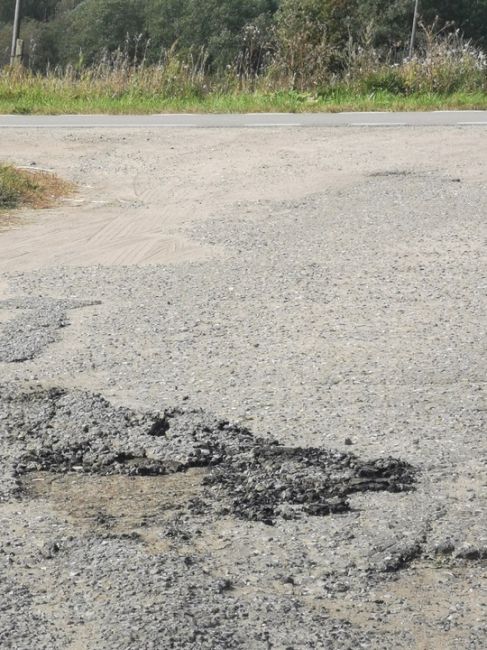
[242, 393]
[47, 434]
[257, 479]
[165, 507]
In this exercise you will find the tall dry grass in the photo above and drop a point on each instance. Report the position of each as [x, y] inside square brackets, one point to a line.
[443, 64]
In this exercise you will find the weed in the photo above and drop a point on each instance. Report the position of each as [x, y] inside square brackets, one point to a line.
[36, 189]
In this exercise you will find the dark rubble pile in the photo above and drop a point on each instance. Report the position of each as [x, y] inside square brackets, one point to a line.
[270, 480]
[61, 431]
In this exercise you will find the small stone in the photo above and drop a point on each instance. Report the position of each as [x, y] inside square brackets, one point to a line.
[224, 584]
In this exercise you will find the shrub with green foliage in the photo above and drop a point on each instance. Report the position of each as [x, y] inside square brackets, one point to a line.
[56, 31]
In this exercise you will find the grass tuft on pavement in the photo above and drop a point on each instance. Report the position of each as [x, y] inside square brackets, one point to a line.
[30, 188]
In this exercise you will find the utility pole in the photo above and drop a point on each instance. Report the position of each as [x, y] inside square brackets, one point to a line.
[16, 51]
[413, 31]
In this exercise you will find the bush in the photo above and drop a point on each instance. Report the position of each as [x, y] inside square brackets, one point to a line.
[445, 65]
[389, 80]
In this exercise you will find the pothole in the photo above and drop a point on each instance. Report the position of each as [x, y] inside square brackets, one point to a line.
[116, 503]
[64, 432]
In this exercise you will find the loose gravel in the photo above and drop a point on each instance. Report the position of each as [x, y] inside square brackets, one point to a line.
[37, 325]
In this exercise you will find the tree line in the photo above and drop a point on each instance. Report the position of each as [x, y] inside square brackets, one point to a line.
[79, 32]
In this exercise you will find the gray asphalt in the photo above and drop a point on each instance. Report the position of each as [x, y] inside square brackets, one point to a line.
[339, 311]
[251, 120]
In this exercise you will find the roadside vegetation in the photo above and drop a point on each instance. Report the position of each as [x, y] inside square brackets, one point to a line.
[29, 188]
[145, 56]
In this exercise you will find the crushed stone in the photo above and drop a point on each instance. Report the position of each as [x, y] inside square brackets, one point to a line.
[57, 430]
[36, 326]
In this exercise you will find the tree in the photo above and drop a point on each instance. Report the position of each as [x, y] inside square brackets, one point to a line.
[470, 16]
[392, 18]
[95, 26]
[57, 30]
[40, 10]
[213, 24]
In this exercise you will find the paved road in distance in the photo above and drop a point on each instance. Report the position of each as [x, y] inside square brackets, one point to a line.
[251, 120]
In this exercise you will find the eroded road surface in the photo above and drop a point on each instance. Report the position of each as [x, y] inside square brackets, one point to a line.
[242, 391]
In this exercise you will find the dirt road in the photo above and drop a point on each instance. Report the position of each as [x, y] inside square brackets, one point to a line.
[324, 288]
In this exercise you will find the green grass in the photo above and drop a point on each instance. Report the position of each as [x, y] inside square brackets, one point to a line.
[15, 187]
[61, 98]
[20, 187]
[175, 88]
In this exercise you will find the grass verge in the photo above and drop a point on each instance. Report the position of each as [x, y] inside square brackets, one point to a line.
[46, 99]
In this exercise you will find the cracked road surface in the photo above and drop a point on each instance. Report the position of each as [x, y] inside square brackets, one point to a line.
[242, 391]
